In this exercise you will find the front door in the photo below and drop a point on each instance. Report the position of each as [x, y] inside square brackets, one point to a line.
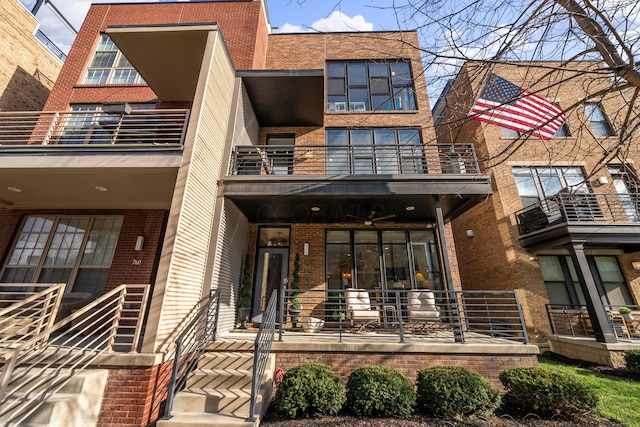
[272, 269]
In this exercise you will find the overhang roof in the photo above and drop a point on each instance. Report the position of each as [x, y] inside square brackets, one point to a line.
[168, 57]
[286, 97]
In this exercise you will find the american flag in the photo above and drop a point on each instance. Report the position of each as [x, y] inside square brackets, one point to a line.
[509, 106]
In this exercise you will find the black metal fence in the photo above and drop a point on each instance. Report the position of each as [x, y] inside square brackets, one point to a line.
[574, 320]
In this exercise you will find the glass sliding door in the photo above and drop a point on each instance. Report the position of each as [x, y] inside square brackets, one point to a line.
[367, 260]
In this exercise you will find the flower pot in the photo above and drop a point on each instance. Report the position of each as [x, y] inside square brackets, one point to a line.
[243, 315]
[294, 315]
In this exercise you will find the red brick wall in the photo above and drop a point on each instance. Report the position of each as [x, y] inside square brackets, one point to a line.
[148, 223]
[242, 25]
[134, 396]
[487, 365]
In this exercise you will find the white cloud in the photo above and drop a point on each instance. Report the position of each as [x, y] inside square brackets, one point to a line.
[335, 22]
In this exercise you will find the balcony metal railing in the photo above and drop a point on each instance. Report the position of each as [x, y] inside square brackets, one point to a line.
[450, 316]
[51, 45]
[574, 321]
[579, 207]
[138, 127]
[38, 367]
[353, 159]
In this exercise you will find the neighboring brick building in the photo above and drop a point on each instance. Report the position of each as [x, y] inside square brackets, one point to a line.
[576, 206]
[27, 68]
[182, 136]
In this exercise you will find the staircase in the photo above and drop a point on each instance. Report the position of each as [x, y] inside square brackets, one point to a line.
[218, 391]
[75, 404]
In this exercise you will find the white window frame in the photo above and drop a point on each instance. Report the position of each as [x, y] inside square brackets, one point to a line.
[108, 72]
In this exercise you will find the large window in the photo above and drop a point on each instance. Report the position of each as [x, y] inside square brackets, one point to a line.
[76, 250]
[537, 183]
[109, 66]
[365, 86]
[385, 259]
[562, 284]
[599, 122]
[374, 151]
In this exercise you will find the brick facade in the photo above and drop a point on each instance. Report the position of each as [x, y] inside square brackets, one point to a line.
[27, 68]
[493, 258]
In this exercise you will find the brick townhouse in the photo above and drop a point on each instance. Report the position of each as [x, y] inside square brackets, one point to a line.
[561, 227]
[181, 136]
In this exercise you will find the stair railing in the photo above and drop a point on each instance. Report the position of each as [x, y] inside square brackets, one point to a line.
[28, 313]
[262, 349]
[40, 366]
[200, 330]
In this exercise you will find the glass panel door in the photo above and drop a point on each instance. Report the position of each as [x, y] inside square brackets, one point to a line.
[272, 269]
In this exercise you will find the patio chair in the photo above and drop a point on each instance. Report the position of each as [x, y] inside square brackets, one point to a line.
[422, 309]
[359, 310]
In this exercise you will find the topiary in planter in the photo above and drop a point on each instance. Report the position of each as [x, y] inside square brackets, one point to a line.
[380, 391]
[546, 392]
[309, 389]
[453, 391]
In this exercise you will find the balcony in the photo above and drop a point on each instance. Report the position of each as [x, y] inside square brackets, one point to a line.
[90, 159]
[329, 183]
[596, 219]
[72, 128]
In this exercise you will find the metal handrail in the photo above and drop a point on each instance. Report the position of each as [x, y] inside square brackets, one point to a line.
[579, 208]
[481, 316]
[199, 331]
[35, 369]
[30, 315]
[46, 41]
[262, 350]
[400, 159]
[64, 128]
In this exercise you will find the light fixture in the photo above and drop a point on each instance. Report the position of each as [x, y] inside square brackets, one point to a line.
[100, 188]
[469, 233]
[410, 208]
[315, 208]
[305, 249]
[429, 225]
[116, 108]
[14, 189]
[603, 180]
[635, 265]
[139, 243]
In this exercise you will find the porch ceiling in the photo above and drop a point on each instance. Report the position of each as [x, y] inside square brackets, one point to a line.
[79, 188]
[286, 97]
[292, 200]
[168, 57]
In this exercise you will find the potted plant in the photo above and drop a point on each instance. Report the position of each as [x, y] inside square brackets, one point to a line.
[295, 305]
[244, 299]
[626, 313]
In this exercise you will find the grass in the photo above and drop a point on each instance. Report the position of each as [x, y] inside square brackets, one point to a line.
[619, 398]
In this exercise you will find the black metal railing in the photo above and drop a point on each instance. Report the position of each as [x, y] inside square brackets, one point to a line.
[262, 350]
[400, 159]
[199, 331]
[579, 207]
[574, 320]
[455, 316]
[64, 128]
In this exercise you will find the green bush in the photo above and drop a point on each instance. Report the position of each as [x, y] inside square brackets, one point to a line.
[309, 389]
[380, 391]
[632, 359]
[452, 391]
[546, 392]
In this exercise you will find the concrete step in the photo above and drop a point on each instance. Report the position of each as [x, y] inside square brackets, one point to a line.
[211, 379]
[76, 404]
[226, 360]
[224, 401]
[206, 420]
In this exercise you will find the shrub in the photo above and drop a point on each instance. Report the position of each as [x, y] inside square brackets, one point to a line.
[451, 391]
[380, 391]
[632, 359]
[309, 389]
[546, 392]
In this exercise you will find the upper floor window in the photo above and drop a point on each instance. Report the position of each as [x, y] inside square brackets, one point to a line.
[598, 120]
[366, 86]
[374, 151]
[537, 183]
[110, 66]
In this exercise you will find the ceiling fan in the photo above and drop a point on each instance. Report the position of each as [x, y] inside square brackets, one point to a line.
[371, 218]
